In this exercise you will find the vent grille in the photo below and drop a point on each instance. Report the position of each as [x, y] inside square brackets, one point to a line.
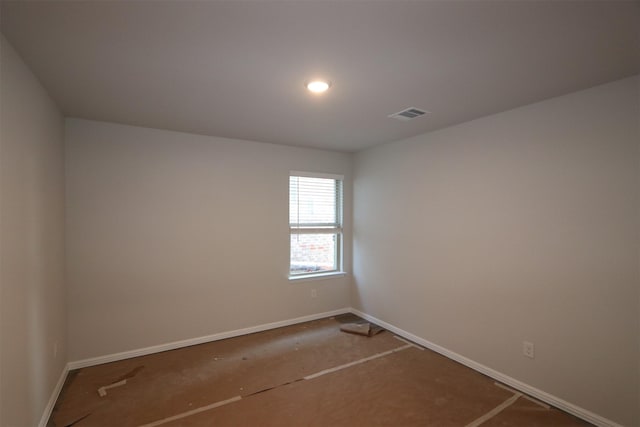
[408, 114]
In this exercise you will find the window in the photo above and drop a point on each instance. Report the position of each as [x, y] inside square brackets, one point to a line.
[315, 224]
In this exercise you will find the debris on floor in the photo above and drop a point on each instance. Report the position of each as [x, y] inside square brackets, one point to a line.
[366, 329]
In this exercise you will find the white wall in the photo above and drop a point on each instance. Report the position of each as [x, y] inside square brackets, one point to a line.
[173, 236]
[32, 294]
[519, 226]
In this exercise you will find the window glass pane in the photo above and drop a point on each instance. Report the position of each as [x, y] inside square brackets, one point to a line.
[313, 201]
[312, 253]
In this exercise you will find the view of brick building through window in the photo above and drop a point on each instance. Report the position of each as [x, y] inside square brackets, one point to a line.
[313, 253]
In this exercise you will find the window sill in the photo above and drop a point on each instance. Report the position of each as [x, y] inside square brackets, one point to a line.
[321, 276]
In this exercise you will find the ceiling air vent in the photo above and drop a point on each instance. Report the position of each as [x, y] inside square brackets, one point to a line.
[408, 114]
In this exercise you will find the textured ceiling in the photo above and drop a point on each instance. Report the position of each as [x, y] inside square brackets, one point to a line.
[236, 69]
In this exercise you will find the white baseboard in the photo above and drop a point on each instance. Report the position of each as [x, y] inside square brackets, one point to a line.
[498, 376]
[54, 397]
[200, 340]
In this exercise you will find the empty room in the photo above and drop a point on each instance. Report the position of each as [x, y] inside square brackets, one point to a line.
[319, 213]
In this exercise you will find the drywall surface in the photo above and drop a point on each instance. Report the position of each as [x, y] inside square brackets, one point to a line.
[32, 294]
[172, 236]
[522, 226]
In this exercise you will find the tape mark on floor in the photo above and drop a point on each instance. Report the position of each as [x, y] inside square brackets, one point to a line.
[408, 342]
[308, 377]
[357, 362]
[192, 412]
[536, 401]
[495, 411]
[102, 391]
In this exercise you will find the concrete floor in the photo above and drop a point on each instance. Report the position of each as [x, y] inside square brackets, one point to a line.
[309, 374]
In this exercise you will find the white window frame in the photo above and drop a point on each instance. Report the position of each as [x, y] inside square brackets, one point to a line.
[337, 229]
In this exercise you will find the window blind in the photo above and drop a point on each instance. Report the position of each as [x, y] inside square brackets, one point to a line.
[315, 202]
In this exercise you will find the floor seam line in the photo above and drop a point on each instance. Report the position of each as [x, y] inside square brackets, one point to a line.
[308, 377]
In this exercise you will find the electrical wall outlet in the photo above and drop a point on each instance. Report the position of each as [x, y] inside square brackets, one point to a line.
[314, 293]
[528, 349]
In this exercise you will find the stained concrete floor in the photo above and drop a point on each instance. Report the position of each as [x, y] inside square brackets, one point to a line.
[309, 374]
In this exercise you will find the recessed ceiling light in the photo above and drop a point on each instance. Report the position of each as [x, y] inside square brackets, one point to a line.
[318, 86]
